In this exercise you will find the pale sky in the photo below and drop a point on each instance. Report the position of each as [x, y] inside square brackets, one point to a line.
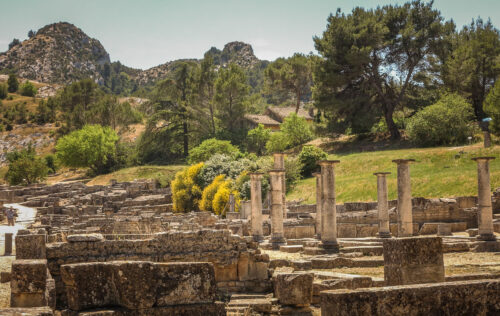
[146, 33]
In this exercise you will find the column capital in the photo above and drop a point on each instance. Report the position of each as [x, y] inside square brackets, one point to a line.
[278, 154]
[381, 173]
[316, 174]
[482, 158]
[328, 162]
[256, 175]
[398, 161]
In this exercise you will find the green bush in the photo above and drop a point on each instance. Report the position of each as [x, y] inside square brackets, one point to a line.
[293, 168]
[25, 167]
[308, 157]
[447, 122]
[210, 147]
[27, 89]
[12, 83]
[186, 191]
[492, 108]
[257, 139]
[278, 142]
[3, 91]
[92, 147]
[222, 164]
[51, 163]
[297, 130]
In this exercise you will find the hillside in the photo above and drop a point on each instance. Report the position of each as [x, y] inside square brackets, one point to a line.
[58, 53]
[62, 53]
[437, 172]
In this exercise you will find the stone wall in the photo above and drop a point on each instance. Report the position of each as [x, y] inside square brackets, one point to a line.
[238, 264]
[465, 298]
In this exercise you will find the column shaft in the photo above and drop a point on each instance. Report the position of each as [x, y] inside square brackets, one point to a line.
[277, 229]
[485, 223]
[328, 209]
[405, 216]
[319, 202]
[279, 163]
[256, 205]
[383, 205]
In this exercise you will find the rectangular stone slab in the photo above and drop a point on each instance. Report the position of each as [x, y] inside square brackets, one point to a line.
[463, 298]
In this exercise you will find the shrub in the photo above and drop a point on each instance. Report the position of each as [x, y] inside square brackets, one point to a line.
[3, 91]
[209, 192]
[12, 83]
[221, 199]
[257, 139]
[27, 89]
[186, 191]
[91, 147]
[293, 168]
[277, 142]
[492, 108]
[51, 163]
[447, 122]
[297, 130]
[308, 157]
[222, 164]
[210, 147]
[25, 167]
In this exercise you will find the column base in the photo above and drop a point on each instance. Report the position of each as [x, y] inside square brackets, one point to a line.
[384, 235]
[277, 241]
[486, 237]
[329, 246]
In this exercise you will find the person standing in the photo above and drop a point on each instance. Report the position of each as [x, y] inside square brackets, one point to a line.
[10, 216]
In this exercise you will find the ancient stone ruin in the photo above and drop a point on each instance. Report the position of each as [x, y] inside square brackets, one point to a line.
[120, 250]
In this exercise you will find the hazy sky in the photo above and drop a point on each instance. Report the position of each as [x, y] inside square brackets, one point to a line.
[145, 33]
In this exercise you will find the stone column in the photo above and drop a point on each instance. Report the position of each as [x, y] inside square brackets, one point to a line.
[319, 202]
[383, 205]
[329, 208]
[487, 139]
[485, 215]
[279, 163]
[277, 230]
[8, 244]
[245, 209]
[256, 200]
[405, 219]
[231, 203]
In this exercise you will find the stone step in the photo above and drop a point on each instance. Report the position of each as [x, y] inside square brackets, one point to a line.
[261, 305]
[292, 248]
[366, 250]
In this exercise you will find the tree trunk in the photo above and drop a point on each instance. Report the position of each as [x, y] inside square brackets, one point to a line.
[391, 126]
[297, 105]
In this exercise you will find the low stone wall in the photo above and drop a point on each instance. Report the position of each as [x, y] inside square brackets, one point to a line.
[465, 298]
[130, 286]
[238, 264]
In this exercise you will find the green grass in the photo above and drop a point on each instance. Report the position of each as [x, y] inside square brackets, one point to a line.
[161, 173]
[437, 172]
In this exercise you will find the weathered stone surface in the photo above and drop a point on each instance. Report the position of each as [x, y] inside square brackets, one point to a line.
[35, 311]
[294, 288]
[31, 284]
[84, 237]
[413, 260]
[31, 246]
[137, 284]
[451, 298]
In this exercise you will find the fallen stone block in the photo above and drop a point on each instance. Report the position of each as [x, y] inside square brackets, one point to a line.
[294, 288]
[413, 260]
[34, 311]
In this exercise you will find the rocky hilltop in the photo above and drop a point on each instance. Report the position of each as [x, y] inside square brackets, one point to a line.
[62, 53]
[234, 52]
[58, 53]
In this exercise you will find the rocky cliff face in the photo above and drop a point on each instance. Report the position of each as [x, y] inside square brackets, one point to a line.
[62, 53]
[58, 53]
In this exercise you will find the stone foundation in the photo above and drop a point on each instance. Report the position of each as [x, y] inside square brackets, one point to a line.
[465, 298]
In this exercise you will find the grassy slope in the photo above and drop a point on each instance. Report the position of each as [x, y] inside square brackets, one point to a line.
[164, 173]
[437, 172]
